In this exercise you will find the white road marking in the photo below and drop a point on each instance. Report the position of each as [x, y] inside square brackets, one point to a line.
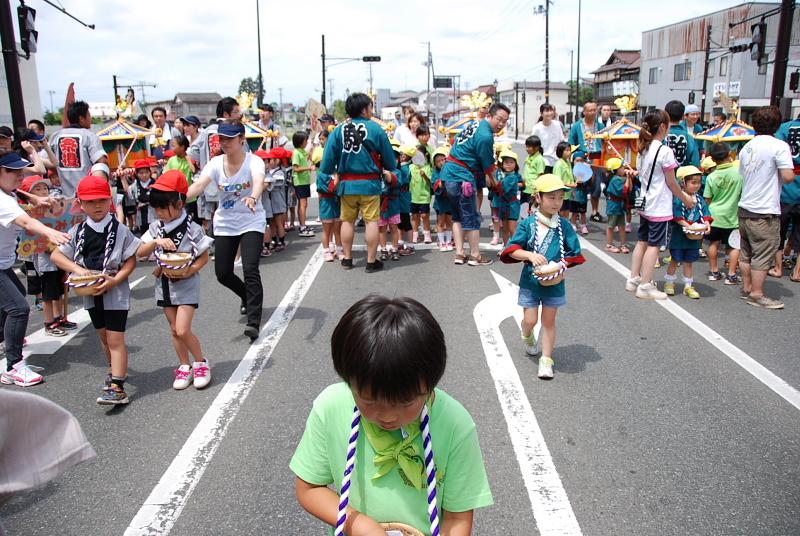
[39, 343]
[162, 508]
[756, 369]
[549, 501]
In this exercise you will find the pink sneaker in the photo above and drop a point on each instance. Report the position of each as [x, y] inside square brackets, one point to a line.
[427, 235]
[584, 230]
[495, 240]
[202, 374]
[415, 237]
[21, 375]
[328, 256]
[183, 377]
[628, 228]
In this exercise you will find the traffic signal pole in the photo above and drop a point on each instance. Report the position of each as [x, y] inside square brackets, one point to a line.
[10, 61]
[781, 53]
[705, 77]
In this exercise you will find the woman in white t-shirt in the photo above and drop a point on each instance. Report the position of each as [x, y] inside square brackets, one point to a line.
[14, 306]
[239, 220]
[551, 133]
[656, 173]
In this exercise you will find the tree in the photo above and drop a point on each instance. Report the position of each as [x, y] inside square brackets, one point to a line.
[587, 93]
[338, 110]
[250, 85]
[54, 118]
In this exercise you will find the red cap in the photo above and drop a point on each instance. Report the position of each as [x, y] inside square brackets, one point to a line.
[29, 182]
[141, 164]
[277, 152]
[262, 154]
[169, 153]
[93, 187]
[172, 181]
[153, 161]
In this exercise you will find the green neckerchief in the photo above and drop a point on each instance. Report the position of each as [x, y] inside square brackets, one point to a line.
[389, 452]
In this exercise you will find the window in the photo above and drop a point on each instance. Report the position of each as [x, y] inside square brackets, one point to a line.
[683, 71]
[723, 66]
[653, 75]
[711, 68]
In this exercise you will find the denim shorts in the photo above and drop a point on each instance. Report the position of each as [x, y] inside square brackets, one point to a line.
[464, 209]
[652, 232]
[685, 255]
[528, 300]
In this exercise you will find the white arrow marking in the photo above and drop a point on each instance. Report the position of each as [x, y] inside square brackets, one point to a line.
[551, 506]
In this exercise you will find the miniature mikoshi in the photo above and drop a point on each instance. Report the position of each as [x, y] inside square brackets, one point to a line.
[124, 143]
[478, 103]
[619, 141]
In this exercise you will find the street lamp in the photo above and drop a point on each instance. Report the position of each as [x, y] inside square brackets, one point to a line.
[538, 10]
[365, 59]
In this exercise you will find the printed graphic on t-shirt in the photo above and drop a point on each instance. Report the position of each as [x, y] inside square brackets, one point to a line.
[467, 132]
[793, 139]
[679, 146]
[69, 152]
[213, 146]
[353, 136]
[229, 201]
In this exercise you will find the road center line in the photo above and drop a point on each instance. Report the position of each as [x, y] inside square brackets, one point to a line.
[162, 508]
[756, 369]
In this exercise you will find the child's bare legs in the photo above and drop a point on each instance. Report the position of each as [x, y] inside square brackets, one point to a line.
[337, 232]
[623, 235]
[395, 230]
[509, 228]
[644, 261]
[414, 226]
[50, 310]
[327, 229]
[116, 352]
[183, 338]
[292, 214]
[610, 236]
[302, 206]
[530, 317]
[713, 251]
[688, 271]
[382, 237]
[733, 262]
[426, 222]
[672, 269]
[548, 331]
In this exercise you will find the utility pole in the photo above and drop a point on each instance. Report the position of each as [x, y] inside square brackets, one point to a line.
[280, 103]
[781, 57]
[322, 97]
[331, 92]
[11, 64]
[260, 99]
[51, 93]
[370, 79]
[705, 76]
[572, 85]
[116, 88]
[524, 100]
[516, 110]
[547, 51]
[428, 64]
[578, 66]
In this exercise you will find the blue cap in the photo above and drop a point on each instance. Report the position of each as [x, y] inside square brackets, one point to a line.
[191, 119]
[37, 137]
[13, 161]
[230, 130]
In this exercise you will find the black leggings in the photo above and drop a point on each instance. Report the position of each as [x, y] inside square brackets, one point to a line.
[250, 290]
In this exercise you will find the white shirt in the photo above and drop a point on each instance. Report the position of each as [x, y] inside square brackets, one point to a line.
[232, 217]
[404, 135]
[550, 136]
[658, 205]
[760, 159]
[9, 231]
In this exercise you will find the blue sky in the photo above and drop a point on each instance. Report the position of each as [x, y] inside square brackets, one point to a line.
[198, 45]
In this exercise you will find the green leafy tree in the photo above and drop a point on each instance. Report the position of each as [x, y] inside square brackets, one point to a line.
[54, 118]
[338, 110]
[587, 93]
[250, 85]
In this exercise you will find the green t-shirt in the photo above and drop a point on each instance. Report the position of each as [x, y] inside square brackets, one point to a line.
[563, 170]
[300, 159]
[462, 483]
[419, 187]
[182, 164]
[723, 190]
[534, 166]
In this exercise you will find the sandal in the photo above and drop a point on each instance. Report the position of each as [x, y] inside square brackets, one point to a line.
[624, 249]
[773, 273]
[794, 280]
[459, 259]
[611, 248]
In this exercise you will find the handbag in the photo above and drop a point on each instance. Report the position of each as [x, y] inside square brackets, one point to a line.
[641, 200]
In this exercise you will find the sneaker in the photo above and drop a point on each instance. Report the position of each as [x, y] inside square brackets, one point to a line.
[495, 240]
[632, 284]
[395, 255]
[406, 250]
[384, 255]
[63, 323]
[764, 302]
[347, 264]
[54, 330]
[265, 251]
[442, 248]
[732, 279]
[628, 228]
[743, 294]
[373, 267]
[649, 291]
[669, 288]
[596, 217]
[107, 383]
[703, 254]
[531, 344]
[584, 230]
[450, 247]
[237, 263]
[251, 332]
[479, 261]
[202, 374]
[427, 236]
[414, 237]
[691, 292]
[21, 375]
[459, 259]
[668, 259]
[714, 276]
[113, 397]
[328, 256]
[546, 368]
[306, 232]
[658, 263]
[183, 377]
[280, 246]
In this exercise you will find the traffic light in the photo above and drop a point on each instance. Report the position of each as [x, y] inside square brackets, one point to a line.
[691, 97]
[794, 81]
[371, 59]
[759, 42]
[27, 29]
[740, 48]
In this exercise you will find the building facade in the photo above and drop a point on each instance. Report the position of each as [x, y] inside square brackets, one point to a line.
[524, 99]
[30, 91]
[618, 76]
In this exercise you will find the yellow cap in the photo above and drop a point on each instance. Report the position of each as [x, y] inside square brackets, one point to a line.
[508, 153]
[499, 147]
[687, 171]
[549, 183]
[408, 150]
[613, 164]
[395, 142]
[316, 155]
[707, 163]
[443, 150]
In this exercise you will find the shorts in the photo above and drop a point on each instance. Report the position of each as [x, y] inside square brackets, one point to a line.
[129, 210]
[420, 208]
[718, 234]
[405, 222]
[529, 300]
[760, 239]
[577, 207]
[524, 197]
[32, 279]
[278, 199]
[291, 198]
[653, 232]
[369, 205]
[329, 209]
[465, 209]
[266, 204]
[790, 216]
[52, 285]
[685, 255]
[615, 220]
[548, 169]
[391, 220]
[110, 320]
[208, 209]
[302, 191]
[480, 183]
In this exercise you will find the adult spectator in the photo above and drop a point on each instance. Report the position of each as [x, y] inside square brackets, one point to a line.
[266, 120]
[581, 135]
[551, 132]
[36, 126]
[691, 120]
[472, 157]
[76, 148]
[191, 127]
[324, 123]
[765, 164]
[719, 118]
[143, 121]
[605, 120]
[163, 132]
[6, 138]
[407, 134]
[790, 198]
[39, 141]
[360, 153]
[26, 144]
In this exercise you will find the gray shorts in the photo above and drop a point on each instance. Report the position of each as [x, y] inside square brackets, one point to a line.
[205, 208]
[291, 198]
[278, 199]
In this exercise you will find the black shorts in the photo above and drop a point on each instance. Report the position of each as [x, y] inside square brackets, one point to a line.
[576, 207]
[718, 234]
[109, 320]
[129, 210]
[524, 197]
[162, 303]
[480, 182]
[548, 169]
[52, 285]
[653, 232]
[302, 191]
[405, 222]
[32, 279]
[420, 208]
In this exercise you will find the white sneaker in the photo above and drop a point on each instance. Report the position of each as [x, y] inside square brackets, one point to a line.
[21, 375]
[632, 284]
[202, 374]
[237, 263]
[649, 291]
[531, 344]
[545, 368]
[183, 377]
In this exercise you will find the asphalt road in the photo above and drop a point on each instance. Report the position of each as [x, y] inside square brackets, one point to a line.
[650, 428]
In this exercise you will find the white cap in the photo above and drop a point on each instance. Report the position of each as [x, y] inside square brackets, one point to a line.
[692, 109]
[101, 167]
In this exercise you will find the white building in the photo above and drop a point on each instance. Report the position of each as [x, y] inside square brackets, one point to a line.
[30, 90]
[525, 98]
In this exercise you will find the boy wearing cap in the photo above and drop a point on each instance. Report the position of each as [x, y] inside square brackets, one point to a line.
[619, 185]
[723, 193]
[691, 121]
[103, 244]
[542, 239]
[277, 197]
[179, 296]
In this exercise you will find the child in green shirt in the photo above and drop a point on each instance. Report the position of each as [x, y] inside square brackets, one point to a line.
[534, 166]
[180, 162]
[371, 435]
[421, 195]
[302, 168]
[563, 170]
[723, 192]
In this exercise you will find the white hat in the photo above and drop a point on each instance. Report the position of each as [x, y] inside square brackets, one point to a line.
[101, 167]
[692, 109]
